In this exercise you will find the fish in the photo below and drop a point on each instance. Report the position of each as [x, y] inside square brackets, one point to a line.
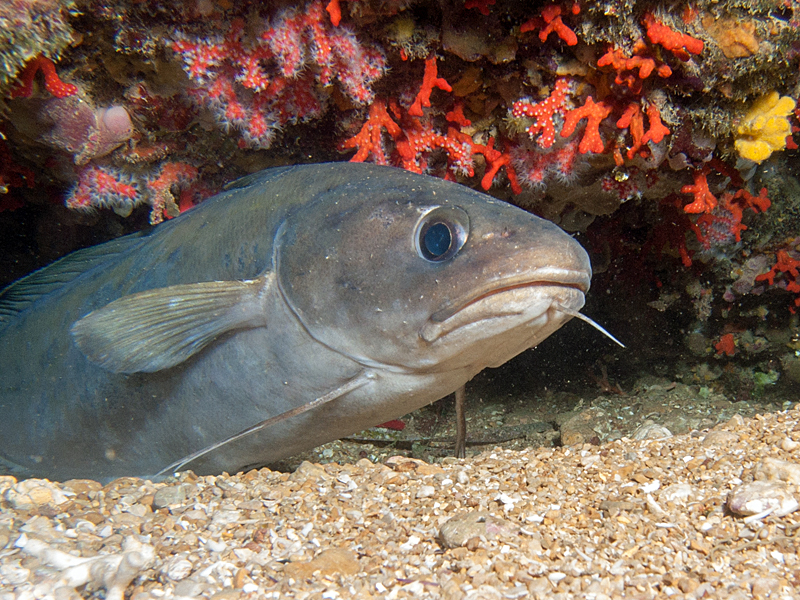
[300, 305]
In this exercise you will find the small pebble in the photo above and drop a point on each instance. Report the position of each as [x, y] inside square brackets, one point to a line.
[168, 496]
[458, 530]
[177, 568]
[426, 491]
[651, 431]
[760, 496]
[329, 562]
[774, 469]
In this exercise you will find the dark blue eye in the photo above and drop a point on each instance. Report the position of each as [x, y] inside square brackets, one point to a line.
[437, 240]
[441, 233]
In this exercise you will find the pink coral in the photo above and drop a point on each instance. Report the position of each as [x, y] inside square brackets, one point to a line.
[234, 78]
[536, 167]
[122, 191]
[104, 187]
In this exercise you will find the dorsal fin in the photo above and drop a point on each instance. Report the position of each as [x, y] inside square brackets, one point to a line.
[22, 293]
[254, 178]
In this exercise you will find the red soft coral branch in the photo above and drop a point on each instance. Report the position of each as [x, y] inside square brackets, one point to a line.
[429, 81]
[657, 130]
[789, 266]
[544, 112]
[680, 44]
[334, 11]
[594, 113]
[626, 66]
[481, 5]
[495, 160]
[783, 264]
[551, 15]
[704, 200]
[369, 140]
[52, 83]
[633, 120]
[726, 345]
[415, 137]
[552, 18]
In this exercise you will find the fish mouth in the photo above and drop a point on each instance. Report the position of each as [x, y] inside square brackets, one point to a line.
[514, 301]
[579, 280]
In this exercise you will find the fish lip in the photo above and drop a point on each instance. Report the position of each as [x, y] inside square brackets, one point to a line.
[568, 278]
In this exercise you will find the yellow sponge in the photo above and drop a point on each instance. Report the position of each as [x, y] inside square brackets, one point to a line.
[765, 127]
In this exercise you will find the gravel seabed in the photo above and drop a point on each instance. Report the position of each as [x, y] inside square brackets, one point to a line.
[627, 519]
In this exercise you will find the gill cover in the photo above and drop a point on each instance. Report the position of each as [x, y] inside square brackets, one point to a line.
[386, 263]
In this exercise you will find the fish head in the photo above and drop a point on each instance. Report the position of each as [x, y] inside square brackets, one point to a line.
[416, 273]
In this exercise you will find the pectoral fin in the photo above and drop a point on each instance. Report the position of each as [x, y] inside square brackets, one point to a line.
[160, 328]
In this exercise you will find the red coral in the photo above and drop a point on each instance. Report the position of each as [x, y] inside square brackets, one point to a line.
[680, 44]
[430, 80]
[726, 344]
[415, 137]
[790, 267]
[632, 119]
[594, 113]
[544, 113]
[784, 263]
[625, 66]
[481, 5]
[657, 130]
[704, 200]
[335, 12]
[369, 140]
[52, 83]
[495, 160]
[551, 15]
[457, 116]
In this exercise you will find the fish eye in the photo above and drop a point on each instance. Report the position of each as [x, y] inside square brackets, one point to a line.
[441, 233]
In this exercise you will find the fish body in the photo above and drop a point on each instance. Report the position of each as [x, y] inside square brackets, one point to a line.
[300, 305]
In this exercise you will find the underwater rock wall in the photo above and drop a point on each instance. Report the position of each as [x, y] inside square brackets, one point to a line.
[660, 133]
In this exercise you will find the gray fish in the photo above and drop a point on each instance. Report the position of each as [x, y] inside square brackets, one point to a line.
[300, 305]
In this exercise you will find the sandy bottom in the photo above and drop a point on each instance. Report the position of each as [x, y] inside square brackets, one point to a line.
[651, 518]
